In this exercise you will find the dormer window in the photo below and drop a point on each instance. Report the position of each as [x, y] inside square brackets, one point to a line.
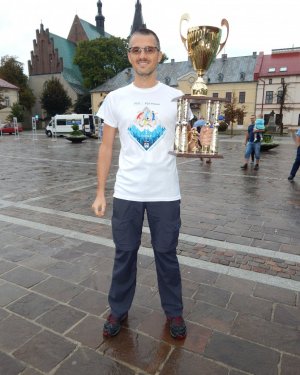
[283, 69]
[242, 76]
[220, 77]
[167, 80]
[271, 70]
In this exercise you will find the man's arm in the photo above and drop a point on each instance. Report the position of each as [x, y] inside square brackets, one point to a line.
[103, 167]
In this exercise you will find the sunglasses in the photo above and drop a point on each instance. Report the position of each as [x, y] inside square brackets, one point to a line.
[147, 50]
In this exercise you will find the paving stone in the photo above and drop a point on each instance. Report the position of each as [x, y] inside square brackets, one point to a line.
[68, 271]
[39, 262]
[31, 306]
[61, 318]
[68, 254]
[58, 289]
[31, 371]
[45, 351]
[14, 254]
[24, 277]
[14, 327]
[251, 305]
[98, 281]
[6, 266]
[88, 332]
[142, 352]
[182, 362]
[266, 333]
[275, 294]
[9, 365]
[212, 316]
[199, 275]
[3, 314]
[213, 295]
[86, 361]
[230, 283]
[287, 315]
[290, 365]
[10, 293]
[91, 301]
[242, 354]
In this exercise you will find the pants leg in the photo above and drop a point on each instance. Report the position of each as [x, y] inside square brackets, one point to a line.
[257, 147]
[164, 222]
[127, 223]
[296, 164]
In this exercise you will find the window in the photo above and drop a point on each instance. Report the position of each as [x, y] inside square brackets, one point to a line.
[282, 80]
[228, 96]
[279, 96]
[7, 101]
[271, 70]
[242, 97]
[270, 81]
[220, 77]
[215, 95]
[167, 80]
[269, 97]
[283, 69]
[242, 76]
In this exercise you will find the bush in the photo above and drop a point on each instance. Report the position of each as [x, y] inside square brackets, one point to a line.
[223, 126]
[76, 132]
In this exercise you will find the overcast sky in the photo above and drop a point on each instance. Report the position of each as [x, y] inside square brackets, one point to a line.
[257, 25]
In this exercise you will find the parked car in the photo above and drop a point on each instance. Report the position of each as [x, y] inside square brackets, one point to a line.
[8, 128]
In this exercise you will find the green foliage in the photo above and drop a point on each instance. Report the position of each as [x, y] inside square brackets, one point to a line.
[54, 98]
[76, 132]
[234, 113]
[17, 111]
[11, 71]
[222, 126]
[83, 104]
[101, 59]
[2, 104]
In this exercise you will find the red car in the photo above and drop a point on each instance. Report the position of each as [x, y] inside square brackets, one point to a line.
[9, 128]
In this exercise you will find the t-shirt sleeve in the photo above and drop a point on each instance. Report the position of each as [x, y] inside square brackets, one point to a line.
[106, 112]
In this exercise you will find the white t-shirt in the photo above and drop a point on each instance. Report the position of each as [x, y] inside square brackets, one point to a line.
[146, 120]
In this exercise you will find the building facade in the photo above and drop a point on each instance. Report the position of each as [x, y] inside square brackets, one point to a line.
[10, 96]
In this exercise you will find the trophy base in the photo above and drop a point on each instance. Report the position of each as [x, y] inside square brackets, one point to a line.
[199, 88]
[196, 155]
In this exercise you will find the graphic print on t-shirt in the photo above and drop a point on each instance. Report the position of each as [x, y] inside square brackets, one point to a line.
[146, 129]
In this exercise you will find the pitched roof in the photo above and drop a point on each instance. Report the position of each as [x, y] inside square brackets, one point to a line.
[282, 62]
[168, 73]
[232, 69]
[6, 85]
[91, 30]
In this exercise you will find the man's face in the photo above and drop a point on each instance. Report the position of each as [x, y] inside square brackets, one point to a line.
[252, 118]
[144, 63]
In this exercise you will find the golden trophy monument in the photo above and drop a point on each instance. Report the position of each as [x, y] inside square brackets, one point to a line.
[203, 45]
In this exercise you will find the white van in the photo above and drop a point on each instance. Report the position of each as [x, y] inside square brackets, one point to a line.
[62, 124]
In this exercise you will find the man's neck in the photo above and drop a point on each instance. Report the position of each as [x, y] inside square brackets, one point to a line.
[145, 82]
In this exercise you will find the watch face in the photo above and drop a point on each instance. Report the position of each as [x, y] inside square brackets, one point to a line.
[191, 80]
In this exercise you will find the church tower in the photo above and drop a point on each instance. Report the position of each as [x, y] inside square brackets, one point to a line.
[138, 21]
[100, 19]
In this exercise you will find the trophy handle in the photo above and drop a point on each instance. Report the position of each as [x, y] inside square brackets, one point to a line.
[184, 17]
[225, 23]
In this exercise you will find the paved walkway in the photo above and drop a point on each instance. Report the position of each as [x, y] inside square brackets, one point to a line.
[239, 253]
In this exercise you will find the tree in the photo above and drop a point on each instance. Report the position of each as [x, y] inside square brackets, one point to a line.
[2, 102]
[83, 104]
[11, 71]
[54, 98]
[17, 111]
[101, 59]
[282, 96]
[234, 113]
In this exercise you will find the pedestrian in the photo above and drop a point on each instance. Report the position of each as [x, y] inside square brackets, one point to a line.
[296, 164]
[144, 113]
[251, 145]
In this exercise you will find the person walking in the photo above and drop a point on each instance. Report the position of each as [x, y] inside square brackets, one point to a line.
[145, 114]
[252, 143]
[296, 163]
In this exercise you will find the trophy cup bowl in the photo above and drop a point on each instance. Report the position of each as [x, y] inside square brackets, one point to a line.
[203, 45]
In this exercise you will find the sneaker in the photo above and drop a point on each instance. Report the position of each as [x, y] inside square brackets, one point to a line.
[112, 326]
[177, 327]
[244, 166]
[256, 167]
[290, 178]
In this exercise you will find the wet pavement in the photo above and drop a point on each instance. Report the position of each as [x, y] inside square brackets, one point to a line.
[239, 253]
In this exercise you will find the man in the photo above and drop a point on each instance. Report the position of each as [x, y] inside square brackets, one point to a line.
[252, 143]
[296, 164]
[145, 114]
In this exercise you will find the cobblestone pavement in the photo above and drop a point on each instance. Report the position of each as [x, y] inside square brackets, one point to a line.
[239, 253]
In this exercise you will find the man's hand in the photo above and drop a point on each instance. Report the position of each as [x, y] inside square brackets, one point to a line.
[99, 206]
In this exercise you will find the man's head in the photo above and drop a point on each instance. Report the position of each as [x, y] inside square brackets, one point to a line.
[252, 118]
[144, 52]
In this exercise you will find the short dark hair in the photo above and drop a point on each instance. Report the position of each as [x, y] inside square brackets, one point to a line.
[144, 31]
